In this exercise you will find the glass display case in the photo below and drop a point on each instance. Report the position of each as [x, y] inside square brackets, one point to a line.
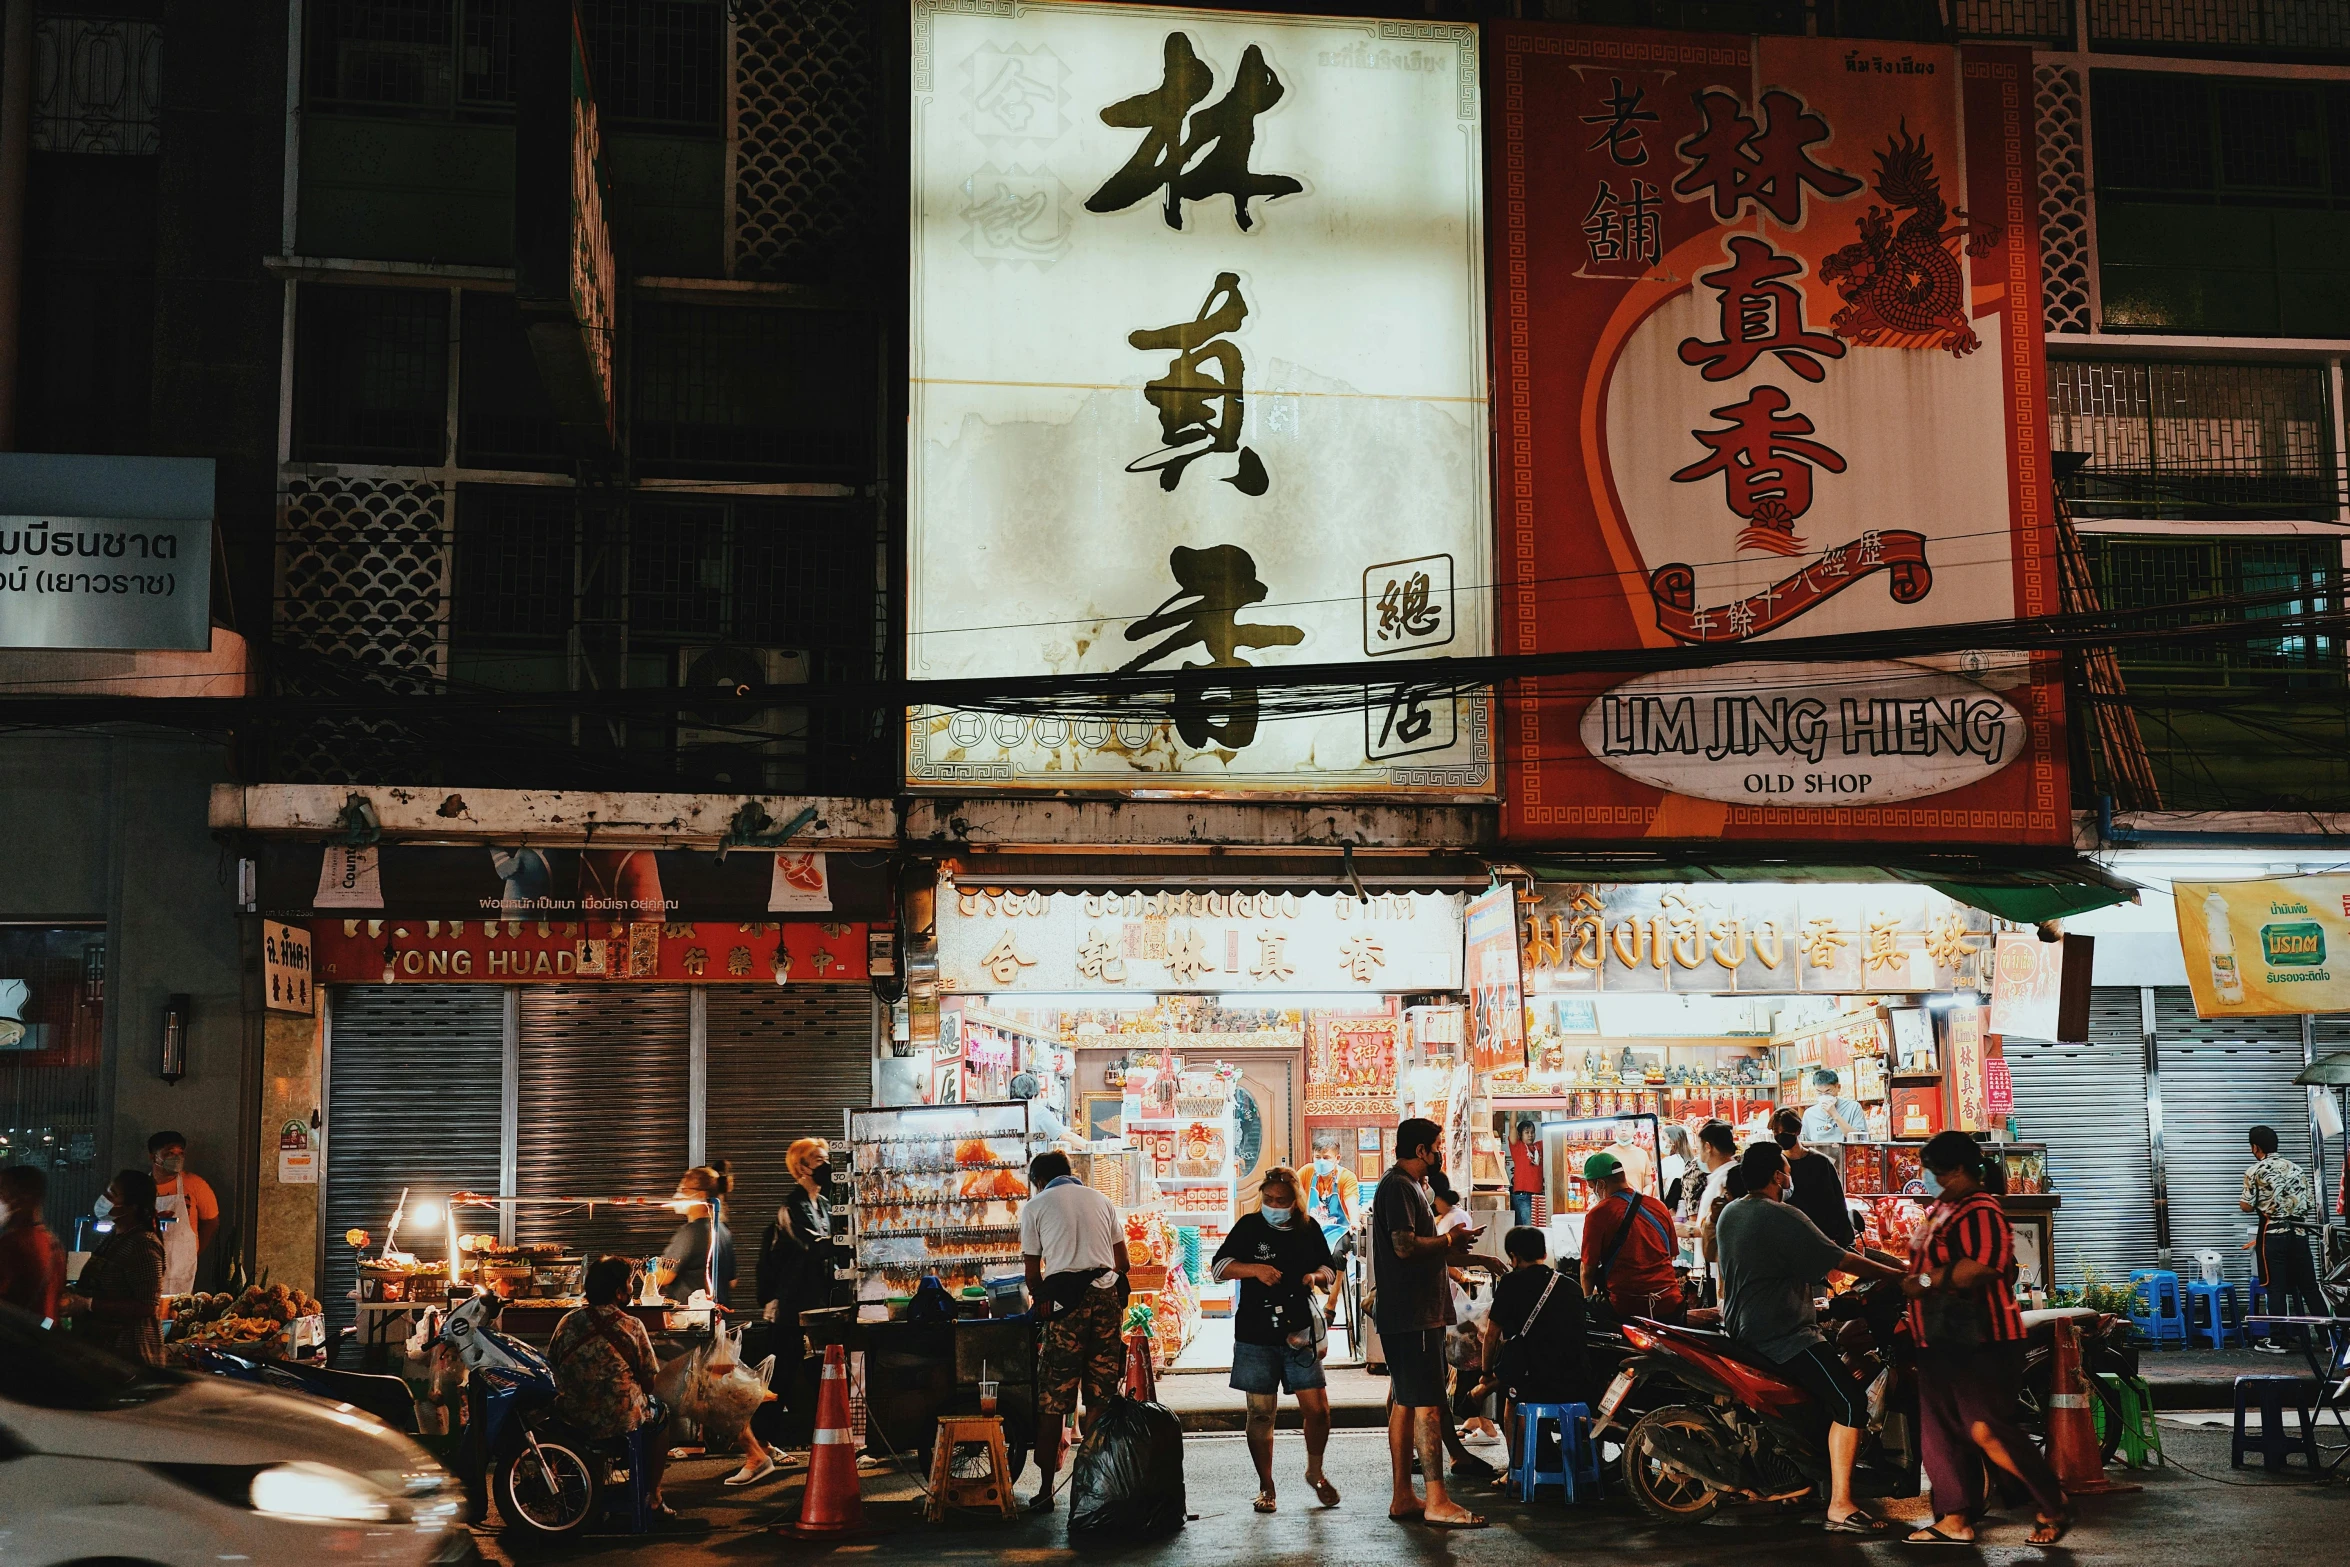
[937, 1189]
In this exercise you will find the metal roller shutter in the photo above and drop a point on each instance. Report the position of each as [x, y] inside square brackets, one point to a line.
[602, 1111]
[2087, 1102]
[783, 1064]
[412, 1098]
[2219, 1080]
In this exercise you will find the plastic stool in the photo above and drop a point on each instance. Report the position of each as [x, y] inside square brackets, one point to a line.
[2206, 1319]
[2156, 1310]
[2272, 1393]
[2140, 1437]
[1578, 1454]
[991, 1491]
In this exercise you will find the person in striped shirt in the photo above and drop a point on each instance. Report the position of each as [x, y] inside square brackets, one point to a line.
[1970, 1338]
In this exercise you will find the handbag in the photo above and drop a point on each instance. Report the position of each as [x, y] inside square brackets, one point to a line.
[1509, 1362]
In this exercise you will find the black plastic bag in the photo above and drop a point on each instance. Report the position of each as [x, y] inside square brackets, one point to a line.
[1128, 1483]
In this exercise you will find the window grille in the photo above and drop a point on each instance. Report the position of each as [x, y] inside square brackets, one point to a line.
[371, 375]
[515, 547]
[2221, 139]
[724, 390]
[677, 570]
[2256, 27]
[808, 130]
[653, 62]
[2036, 21]
[503, 417]
[99, 84]
[2197, 580]
[2196, 441]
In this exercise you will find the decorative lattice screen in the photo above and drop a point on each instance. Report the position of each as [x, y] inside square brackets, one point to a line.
[2065, 277]
[806, 102]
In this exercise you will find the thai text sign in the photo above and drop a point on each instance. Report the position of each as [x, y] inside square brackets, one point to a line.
[1768, 359]
[2266, 948]
[105, 582]
[1199, 383]
[1701, 938]
[1216, 941]
[499, 952]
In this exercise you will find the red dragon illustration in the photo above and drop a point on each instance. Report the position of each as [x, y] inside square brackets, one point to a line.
[1903, 280]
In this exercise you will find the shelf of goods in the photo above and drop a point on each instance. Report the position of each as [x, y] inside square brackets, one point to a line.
[1182, 1125]
[1888, 1180]
[936, 1189]
[1155, 1260]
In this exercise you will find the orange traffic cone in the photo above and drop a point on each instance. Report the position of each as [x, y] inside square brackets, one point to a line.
[832, 1505]
[1141, 1384]
[2072, 1425]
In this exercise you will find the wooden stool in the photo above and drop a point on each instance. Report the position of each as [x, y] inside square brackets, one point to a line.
[992, 1490]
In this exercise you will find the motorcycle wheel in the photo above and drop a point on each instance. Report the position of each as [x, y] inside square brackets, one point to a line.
[1663, 1495]
[551, 1502]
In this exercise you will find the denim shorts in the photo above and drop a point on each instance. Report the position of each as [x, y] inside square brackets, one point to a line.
[1275, 1368]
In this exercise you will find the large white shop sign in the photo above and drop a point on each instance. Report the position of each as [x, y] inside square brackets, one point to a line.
[1143, 942]
[1199, 382]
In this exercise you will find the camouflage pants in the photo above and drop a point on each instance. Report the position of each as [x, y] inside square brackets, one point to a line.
[1081, 1349]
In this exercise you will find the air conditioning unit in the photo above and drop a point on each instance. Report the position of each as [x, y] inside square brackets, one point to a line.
[761, 749]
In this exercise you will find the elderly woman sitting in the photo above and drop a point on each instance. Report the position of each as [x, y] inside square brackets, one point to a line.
[604, 1368]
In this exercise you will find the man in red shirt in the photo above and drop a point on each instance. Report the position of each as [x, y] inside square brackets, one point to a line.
[1525, 1170]
[32, 1268]
[1628, 1245]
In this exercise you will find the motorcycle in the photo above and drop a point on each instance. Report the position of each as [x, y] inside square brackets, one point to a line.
[548, 1480]
[1722, 1425]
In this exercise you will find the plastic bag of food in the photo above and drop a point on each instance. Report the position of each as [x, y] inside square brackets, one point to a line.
[1128, 1481]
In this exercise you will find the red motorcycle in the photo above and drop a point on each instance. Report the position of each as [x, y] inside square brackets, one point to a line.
[1723, 1425]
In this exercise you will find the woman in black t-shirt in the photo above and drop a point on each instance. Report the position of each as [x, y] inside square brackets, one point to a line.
[1279, 1258]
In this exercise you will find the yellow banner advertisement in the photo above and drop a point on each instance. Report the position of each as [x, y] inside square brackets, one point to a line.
[2264, 948]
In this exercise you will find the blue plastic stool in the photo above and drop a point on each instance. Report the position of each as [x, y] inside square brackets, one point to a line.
[2275, 1447]
[2156, 1310]
[1578, 1454]
[2212, 1314]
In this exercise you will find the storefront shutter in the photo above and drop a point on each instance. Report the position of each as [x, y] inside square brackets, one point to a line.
[2087, 1102]
[412, 1096]
[602, 1111]
[2219, 1080]
[784, 1063]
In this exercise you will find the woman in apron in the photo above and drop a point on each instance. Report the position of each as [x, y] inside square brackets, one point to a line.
[180, 1211]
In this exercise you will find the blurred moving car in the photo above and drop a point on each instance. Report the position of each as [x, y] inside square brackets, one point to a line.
[104, 1460]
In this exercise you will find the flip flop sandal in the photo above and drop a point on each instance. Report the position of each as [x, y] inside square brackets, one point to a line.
[1859, 1523]
[1414, 1516]
[2056, 1529]
[1325, 1491]
[1264, 1504]
[1473, 1521]
[1930, 1535]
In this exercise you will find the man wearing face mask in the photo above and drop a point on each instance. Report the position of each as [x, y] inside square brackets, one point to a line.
[185, 1205]
[1770, 1254]
[1412, 1303]
[1814, 1185]
[1278, 1256]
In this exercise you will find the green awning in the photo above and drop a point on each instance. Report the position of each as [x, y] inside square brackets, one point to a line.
[2024, 891]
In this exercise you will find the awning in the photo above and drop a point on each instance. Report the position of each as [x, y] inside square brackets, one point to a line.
[1332, 870]
[2024, 891]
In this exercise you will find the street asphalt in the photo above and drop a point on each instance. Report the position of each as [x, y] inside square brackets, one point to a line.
[2195, 1513]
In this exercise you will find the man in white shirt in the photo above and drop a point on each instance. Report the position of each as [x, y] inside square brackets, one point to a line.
[1834, 1116]
[1073, 1245]
[1717, 1145]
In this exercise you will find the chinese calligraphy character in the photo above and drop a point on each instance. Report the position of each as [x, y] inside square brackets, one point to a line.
[1218, 583]
[1409, 719]
[1004, 961]
[738, 962]
[1362, 957]
[1200, 398]
[1272, 965]
[1872, 548]
[822, 961]
[1624, 228]
[1883, 929]
[1621, 117]
[1948, 943]
[1404, 609]
[1765, 467]
[1210, 158]
[1097, 959]
[1760, 315]
[1735, 161]
[1187, 955]
[697, 961]
[1822, 941]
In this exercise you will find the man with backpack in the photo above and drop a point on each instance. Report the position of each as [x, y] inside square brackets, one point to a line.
[1628, 1246]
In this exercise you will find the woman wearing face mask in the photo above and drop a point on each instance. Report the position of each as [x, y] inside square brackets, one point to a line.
[1277, 1255]
[795, 1271]
[113, 1304]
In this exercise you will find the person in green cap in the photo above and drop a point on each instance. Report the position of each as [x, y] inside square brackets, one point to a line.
[1628, 1246]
